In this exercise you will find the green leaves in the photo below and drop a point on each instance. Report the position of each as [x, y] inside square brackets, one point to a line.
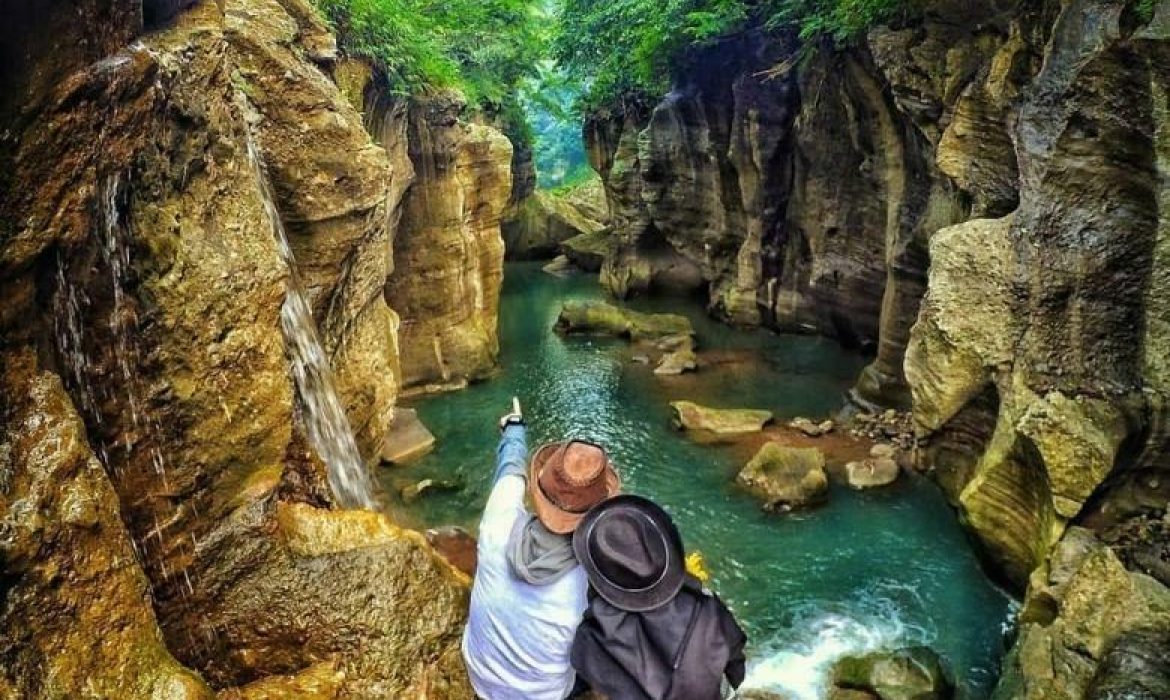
[624, 48]
[483, 47]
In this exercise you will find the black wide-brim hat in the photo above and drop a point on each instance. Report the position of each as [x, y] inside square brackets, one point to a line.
[631, 552]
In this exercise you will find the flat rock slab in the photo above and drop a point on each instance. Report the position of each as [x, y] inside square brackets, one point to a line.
[600, 318]
[408, 439]
[723, 422]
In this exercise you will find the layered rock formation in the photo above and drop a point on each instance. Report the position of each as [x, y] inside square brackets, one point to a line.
[448, 247]
[140, 264]
[800, 193]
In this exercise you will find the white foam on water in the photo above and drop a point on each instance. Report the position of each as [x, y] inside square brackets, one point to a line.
[797, 662]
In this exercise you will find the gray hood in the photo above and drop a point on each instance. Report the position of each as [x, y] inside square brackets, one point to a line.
[537, 555]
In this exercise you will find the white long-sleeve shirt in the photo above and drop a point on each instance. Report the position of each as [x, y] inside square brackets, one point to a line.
[516, 644]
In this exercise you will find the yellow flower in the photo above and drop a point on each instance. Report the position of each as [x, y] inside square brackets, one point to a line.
[697, 567]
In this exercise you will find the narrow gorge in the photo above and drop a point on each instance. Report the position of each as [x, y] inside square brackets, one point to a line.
[246, 254]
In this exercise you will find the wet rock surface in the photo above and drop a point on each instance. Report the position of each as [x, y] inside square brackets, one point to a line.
[600, 318]
[911, 673]
[787, 478]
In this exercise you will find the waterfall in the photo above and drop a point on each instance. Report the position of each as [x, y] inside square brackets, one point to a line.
[323, 416]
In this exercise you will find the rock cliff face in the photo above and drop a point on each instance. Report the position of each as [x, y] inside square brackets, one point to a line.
[141, 287]
[801, 192]
[449, 250]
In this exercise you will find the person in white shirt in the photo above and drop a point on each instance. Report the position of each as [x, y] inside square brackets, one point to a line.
[529, 591]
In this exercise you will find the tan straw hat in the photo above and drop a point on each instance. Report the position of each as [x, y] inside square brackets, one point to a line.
[566, 479]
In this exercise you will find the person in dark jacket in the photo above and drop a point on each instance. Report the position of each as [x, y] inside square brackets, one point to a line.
[651, 631]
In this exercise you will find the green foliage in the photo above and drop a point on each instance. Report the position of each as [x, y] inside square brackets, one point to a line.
[1145, 9]
[624, 48]
[483, 47]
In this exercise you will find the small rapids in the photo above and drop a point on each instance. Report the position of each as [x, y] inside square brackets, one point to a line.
[322, 415]
[798, 662]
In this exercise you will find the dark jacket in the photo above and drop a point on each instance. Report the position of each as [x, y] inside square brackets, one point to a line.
[639, 656]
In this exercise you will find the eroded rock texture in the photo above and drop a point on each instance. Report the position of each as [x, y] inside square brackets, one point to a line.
[138, 258]
[1030, 363]
[448, 249]
[76, 616]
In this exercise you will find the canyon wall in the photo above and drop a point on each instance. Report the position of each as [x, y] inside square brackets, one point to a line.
[979, 197]
[148, 396]
[448, 247]
[798, 185]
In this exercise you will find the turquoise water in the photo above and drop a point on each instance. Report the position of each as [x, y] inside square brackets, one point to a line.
[869, 570]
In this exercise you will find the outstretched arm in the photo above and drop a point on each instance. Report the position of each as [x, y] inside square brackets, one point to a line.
[512, 452]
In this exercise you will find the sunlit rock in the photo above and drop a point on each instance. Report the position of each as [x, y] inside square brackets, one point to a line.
[723, 422]
[786, 478]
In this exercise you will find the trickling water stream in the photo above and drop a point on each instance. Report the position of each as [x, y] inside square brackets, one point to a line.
[870, 570]
[322, 414]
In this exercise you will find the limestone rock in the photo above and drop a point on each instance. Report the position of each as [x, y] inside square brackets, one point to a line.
[587, 251]
[77, 619]
[1082, 605]
[560, 266]
[871, 473]
[677, 361]
[786, 478]
[322, 681]
[408, 439]
[600, 318]
[1135, 667]
[542, 223]
[332, 185]
[810, 428]
[351, 586]
[412, 492]
[448, 249]
[911, 673]
[724, 422]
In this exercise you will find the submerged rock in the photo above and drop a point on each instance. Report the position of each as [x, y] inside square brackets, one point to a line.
[872, 472]
[726, 422]
[785, 477]
[418, 489]
[600, 318]
[912, 673]
[408, 439]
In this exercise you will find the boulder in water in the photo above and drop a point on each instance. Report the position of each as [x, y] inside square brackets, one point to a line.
[871, 473]
[600, 318]
[413, 492]
[786, 477]
[408, 439]
[723, 422]
[677, 362]
[588, 250]
[911, 673]
[560, 266]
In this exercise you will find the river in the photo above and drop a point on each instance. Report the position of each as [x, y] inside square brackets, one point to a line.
[869, 570]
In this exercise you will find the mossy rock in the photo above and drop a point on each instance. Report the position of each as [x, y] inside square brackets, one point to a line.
[911, 673]
[600, 318]
[787, 477]
[719, 421]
